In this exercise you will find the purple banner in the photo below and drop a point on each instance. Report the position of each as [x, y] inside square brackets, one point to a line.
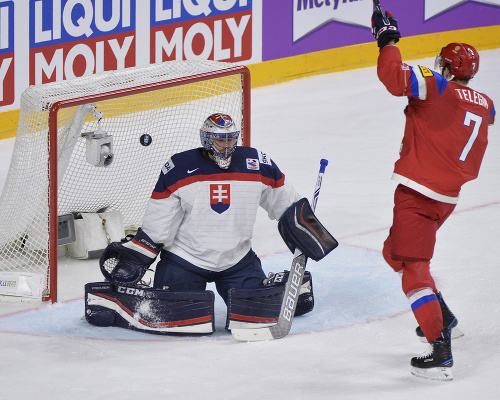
[293, 27]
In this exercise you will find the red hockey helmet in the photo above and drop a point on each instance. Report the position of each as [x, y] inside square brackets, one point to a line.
[462, 58]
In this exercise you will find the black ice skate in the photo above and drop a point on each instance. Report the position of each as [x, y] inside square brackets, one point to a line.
[437, 362]
[449, 321]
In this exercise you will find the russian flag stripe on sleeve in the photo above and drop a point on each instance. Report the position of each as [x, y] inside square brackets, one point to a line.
[421, 298]
[418, 84]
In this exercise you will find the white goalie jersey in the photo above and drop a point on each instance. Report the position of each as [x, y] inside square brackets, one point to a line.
[205, 214]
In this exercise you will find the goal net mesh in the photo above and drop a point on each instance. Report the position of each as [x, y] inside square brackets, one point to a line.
[173, 101]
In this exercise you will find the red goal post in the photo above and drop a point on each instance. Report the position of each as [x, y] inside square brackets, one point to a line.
[167, 101]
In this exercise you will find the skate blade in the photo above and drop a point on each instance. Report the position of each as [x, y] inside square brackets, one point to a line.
[435, 374]
[455, 334]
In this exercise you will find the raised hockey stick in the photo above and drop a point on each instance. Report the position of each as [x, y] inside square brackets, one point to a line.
[376, 3]
[292, 289]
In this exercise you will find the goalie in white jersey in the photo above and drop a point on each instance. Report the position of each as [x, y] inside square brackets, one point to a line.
[203, 210]
[200, 219]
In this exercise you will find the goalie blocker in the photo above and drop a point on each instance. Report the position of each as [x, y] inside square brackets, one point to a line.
[299, 228]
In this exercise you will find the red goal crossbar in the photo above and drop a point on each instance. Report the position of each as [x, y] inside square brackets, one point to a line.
[53, 146]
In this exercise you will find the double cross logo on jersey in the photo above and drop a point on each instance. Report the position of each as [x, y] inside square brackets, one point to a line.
[220, 197]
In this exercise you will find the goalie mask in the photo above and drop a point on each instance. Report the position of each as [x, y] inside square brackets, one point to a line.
[219, 136]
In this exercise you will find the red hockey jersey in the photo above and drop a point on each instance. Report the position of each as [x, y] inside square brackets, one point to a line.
[446, 130]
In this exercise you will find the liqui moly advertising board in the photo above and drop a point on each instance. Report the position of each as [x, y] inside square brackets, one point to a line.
[216, 30]
[64, 39]
[70, 38]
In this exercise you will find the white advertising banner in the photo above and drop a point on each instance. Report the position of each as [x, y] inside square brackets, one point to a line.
[433, 7]
[309, 16]
[21, 284]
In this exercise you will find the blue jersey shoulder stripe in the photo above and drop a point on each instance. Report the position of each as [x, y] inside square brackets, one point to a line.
[228, 176]
[441, 83]
[201, 169]
[419, 83]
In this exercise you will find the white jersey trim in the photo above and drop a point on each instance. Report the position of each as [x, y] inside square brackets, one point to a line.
[422, 84]
[424, 190]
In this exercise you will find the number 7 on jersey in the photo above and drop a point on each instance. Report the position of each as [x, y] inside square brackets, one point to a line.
[477, 119]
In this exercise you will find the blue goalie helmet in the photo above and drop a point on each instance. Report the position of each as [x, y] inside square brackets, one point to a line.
[219, 135]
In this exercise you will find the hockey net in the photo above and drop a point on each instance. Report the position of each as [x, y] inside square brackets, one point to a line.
[50, 175]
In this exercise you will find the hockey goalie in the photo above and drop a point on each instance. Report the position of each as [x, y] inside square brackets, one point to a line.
[199, 221]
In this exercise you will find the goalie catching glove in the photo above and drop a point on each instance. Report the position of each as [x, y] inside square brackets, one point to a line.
[127, 261]
[300, 229]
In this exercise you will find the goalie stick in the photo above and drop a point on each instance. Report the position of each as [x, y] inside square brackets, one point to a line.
[292, 289]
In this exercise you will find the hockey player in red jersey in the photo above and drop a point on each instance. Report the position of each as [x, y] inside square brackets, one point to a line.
[445, 138]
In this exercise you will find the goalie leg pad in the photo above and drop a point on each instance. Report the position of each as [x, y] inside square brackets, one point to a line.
[95, 314]
[299, 228]
[251, 308]
[305, 303]
[255, 308]
[149, 310]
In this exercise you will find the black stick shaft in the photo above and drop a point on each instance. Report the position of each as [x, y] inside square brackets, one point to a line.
[378, 7]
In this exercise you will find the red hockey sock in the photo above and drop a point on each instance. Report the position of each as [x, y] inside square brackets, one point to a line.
[420, 289]
[425, 306]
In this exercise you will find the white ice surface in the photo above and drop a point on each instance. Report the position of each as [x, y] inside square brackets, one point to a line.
[358, 341]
